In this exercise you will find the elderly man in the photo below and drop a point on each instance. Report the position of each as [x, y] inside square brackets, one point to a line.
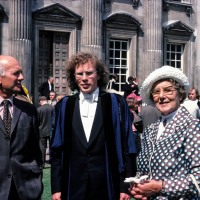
[20, 155]
[52, 98]
[93, 147]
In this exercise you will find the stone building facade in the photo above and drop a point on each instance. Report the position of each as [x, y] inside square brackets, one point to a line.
[132, 37]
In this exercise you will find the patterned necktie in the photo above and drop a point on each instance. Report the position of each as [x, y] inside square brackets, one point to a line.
[7, 116]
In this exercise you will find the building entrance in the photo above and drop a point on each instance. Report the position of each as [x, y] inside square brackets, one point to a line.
[53, 54]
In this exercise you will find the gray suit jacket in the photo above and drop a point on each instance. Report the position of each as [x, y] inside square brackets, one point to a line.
[45, 113]
[20, 156]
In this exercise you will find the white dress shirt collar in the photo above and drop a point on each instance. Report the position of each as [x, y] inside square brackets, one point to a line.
[10, 99]
[10, 106]
[93, 97]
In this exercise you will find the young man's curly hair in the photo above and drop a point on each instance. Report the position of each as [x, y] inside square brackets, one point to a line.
[82, 58]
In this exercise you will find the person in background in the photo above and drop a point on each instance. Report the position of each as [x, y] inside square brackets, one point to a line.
[93, 147]
[149, 115]
[20, 155]
[136, 87]
[170, 152]
[130, 87]
[137, 127]
[193, 94]
[52, 98]
[45, 113]
[133, 102]
[112, 82]
[47, 87]
[191, 103]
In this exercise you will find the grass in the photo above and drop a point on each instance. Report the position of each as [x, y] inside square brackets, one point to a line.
[47, 186]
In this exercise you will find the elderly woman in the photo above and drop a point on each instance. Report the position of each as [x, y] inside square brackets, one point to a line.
[170, 152]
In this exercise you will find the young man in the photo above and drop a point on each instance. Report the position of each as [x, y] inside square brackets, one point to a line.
[192, 102]
[93, 148]
[20, 155]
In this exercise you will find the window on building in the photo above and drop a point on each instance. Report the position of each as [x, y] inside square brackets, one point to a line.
[121, 43]
[118, 60]
[174, 54]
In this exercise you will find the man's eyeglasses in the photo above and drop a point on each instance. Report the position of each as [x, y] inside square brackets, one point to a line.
[166, 91]
[87, 73]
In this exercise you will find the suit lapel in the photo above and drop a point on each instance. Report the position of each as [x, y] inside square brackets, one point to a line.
[78, 126]
[102, 112]
[97, 124]
[15, 118]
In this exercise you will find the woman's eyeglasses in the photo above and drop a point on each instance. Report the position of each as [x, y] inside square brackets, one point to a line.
[166, 91]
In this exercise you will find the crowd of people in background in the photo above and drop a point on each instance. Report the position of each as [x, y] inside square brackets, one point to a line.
[99, 136]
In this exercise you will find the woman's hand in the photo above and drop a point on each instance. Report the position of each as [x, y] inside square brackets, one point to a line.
[146, 189]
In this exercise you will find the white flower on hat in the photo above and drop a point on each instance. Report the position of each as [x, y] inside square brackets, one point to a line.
[159, 74]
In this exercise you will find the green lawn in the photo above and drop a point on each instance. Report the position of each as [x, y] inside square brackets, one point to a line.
[46, 181]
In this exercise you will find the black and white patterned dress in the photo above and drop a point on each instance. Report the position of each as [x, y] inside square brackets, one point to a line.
[174, 156]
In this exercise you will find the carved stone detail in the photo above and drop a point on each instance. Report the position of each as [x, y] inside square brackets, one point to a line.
[56, 12]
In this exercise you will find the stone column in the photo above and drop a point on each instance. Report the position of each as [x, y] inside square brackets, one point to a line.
[152, 36]
[92, 27]
[197, 34]
[20, 35]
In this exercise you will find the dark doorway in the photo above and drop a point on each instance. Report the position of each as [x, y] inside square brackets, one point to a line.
[53, 54]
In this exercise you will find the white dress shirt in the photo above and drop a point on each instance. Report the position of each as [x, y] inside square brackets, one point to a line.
[49, 86]
[88, 105]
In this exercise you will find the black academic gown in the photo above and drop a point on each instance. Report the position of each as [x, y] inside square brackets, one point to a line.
[89, 170]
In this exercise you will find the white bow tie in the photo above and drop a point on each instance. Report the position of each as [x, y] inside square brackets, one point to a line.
[88, 97]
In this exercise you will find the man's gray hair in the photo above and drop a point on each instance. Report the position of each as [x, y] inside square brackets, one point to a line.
[2, 69]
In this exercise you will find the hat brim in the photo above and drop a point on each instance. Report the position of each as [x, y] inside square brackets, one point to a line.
[134, 96]
[164, 72]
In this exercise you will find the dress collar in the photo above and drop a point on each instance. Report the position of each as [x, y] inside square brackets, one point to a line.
[169, 117]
